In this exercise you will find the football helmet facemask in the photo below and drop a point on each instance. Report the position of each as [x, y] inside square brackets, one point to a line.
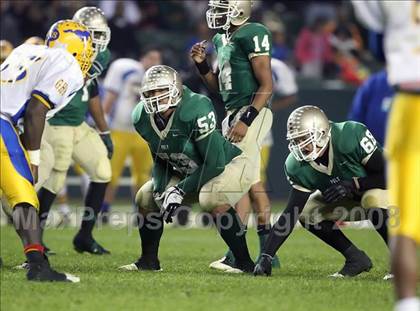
[75, 38]
[222, 13]
[94, 19]
[165, 79]
[308, 125]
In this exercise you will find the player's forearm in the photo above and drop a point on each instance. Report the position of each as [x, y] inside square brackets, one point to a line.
[161, 175]
[109, 100]
[282, 229]
[212, 166]
[34, 122]
[375, 169]
[95, 109]
[262, 96]
[211, 81]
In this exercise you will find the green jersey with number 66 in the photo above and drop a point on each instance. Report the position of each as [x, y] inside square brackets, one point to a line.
[189, 146]
[350, 147]
[75, 112]
[237, 83]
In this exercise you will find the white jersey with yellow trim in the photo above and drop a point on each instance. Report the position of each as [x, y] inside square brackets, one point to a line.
[124, 78]
[52, 75]
[399, 21]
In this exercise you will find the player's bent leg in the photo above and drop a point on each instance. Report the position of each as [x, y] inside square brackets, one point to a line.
[218, 196]
[320, 218]
[150, 225]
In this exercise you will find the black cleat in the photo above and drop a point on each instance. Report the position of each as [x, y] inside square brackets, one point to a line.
[263, 266]
[82, 245]
[143, 264]
[242, 267]
[354, 266]
[42, 272]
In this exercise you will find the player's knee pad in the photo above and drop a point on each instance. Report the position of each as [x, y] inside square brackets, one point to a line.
[209, 200]
[375, 198]
[144, 197]
[56, 181]
[102, 172]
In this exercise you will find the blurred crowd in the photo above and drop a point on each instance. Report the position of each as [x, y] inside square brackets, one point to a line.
[319, 39]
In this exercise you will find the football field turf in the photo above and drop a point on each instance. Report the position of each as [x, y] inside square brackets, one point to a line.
[187, 283]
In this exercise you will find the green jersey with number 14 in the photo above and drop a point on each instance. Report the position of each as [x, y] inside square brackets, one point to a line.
[237, 82]
[184, 145]
[350, 147]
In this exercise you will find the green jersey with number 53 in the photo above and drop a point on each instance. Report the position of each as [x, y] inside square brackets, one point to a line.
[237, 82]
[189, 144]
[75, 112]
[350, 147]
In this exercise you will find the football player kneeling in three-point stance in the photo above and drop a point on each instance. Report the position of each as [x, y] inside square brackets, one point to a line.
[193, 162]
[337, 173]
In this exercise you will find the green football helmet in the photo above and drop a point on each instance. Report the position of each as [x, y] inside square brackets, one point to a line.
[308, 125]
[224, 13]
[94, 19]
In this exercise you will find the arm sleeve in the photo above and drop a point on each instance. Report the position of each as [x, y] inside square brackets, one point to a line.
[375, 169]
[257, 42]
[282, 229]
[162, 173]
[94, 88]
[363, 143]
[59, 79]
[294, 181]
[212, 166]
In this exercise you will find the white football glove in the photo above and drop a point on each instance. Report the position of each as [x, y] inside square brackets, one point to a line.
[172, 199]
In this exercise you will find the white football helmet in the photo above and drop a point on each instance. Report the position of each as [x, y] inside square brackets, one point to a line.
[163, 78]
[308, 125]
[223, 13]
[94, 19]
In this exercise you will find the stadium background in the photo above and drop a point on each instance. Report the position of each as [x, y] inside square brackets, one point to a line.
[320, 40]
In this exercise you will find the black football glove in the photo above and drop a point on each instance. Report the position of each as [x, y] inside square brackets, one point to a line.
[263, 266]
[345, 189]
[106, 138]
[172, 200]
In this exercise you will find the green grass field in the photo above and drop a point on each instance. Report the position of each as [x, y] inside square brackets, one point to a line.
[186, 283]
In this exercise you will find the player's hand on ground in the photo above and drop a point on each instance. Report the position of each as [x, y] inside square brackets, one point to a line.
[34, 170]
[106, 138]
[172, 200]
[237, 132]
[345, 189]
[198, 52]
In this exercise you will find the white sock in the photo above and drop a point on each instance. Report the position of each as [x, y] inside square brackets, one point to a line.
[408, 304]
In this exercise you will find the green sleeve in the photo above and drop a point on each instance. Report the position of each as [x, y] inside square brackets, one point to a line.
[211, 150]
[256, 41]
[363, 144]
[162, 173]
[292, 175]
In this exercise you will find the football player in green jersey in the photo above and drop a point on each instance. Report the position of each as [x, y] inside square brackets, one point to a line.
[337, 174]
[67, 137]
[244, 80]
[193, 162]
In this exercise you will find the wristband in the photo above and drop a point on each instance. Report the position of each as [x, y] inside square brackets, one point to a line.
[203, 68]
[34, 157]
[105, 132]
[249, 115]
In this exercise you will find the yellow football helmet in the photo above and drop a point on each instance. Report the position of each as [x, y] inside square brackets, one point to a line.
[75, 38]
[35, 41]
[5, 49]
